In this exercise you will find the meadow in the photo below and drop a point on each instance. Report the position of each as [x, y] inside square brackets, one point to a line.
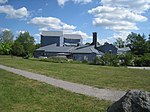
[119, 78]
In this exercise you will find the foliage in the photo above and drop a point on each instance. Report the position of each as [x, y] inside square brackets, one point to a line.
[25, 44]
[126, 59]
[37, 46]
[107, 60]
[87, 43]
[5, 48]
[55, 59]
[6, 36]
[6, 39]
[17, 49]
[119, 43]
[137, 43]
[143, 60]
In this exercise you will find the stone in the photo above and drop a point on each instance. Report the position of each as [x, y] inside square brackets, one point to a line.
[132, 101]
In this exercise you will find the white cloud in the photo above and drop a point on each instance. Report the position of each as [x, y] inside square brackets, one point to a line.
[50, 23]
[3, 1]
[84, 35]
[43, 29]
[123, 35]
[14, 13]
[4, 29]
[116, 18]
[120, 16]
[62, 2]
[138, 6]
[37, 38]
[20, 31]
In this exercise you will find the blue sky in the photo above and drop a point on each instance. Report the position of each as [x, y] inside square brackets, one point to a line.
[111, 19]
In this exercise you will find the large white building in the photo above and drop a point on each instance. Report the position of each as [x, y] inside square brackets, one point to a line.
[60, 39]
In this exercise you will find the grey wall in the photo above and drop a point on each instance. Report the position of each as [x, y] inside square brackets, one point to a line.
[81, 57]
[48, 40]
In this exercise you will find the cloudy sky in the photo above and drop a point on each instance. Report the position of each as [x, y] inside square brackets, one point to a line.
[111, 19]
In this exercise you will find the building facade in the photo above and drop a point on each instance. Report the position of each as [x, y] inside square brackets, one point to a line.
[70, 45]
[60, 39]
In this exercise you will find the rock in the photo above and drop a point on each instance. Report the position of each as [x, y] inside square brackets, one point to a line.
[132, 101]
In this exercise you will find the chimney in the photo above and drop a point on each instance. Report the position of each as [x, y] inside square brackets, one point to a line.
[95, 39]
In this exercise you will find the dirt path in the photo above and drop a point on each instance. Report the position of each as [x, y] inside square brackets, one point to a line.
[105, 94]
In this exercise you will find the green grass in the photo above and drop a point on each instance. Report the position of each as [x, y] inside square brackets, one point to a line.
[18, 94]
[98, 76]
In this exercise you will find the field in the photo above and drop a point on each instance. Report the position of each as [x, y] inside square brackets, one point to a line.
[119, 78]
[18, 94]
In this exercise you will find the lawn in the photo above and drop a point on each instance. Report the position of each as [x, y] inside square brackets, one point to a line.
[18, 94]
[119, 78]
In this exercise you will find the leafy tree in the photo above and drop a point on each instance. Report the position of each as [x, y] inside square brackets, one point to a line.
[87, 43]
[148, 45]
[137, 43]
[6, 39]
[126, 59]
[7, 36]
[27, 42]
[119, 43]
[5, 48]
[37, 46]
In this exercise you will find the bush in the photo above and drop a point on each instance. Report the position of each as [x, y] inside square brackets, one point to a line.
[126, 59]
[142, 60]
[107, 60]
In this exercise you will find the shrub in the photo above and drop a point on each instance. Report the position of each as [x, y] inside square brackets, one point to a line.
[126, 59]
[107, 60]
[142, 60]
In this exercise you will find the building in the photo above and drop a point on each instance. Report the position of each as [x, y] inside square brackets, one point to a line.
[60, 39]
[70, 46]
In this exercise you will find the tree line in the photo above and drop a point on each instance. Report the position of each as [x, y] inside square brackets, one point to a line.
[24, 44]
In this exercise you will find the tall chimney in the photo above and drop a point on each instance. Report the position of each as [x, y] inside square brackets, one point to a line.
[95, 39]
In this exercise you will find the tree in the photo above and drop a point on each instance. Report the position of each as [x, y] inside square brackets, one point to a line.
[6, 40]
[17, 49]
[27, 42]
[119, 43]
[87, 43]
[7, 36]
[137, 43]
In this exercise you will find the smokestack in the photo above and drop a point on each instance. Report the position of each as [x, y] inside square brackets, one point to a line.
[95, 39]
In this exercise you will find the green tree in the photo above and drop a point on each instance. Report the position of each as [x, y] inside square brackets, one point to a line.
[17, 49]
[137, 43]
[27, 42]
[148, 44]
[37, 46]
[6, 40]
[119, 43]
[7, 36]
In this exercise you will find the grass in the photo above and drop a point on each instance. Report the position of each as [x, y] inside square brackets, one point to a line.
[99, 76]
[18, 94]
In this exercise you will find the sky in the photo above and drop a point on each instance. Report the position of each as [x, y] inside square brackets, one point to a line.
[111, 19]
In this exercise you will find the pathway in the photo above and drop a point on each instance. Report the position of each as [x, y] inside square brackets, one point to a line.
[105, 94]
[144, 68]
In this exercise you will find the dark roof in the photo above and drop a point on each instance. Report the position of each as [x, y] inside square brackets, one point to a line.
[64, 49]
[86, 49]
